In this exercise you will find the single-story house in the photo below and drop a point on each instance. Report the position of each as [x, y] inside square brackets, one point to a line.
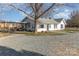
[45, 24]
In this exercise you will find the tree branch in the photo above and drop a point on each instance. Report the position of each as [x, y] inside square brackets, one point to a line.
[40, 7]
[27, 15]
[46, 10]
[32, 6]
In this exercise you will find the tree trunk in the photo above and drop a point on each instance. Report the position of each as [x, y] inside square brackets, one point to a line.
[35, 30]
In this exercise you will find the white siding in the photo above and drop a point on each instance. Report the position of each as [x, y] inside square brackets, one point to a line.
[41, 29]
[45, 26]
[52, 27]
[59, 25]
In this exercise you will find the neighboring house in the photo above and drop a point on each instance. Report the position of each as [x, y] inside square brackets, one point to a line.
[9, 25]
[45, 24]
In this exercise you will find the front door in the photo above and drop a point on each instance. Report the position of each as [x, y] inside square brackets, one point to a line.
[47, 27]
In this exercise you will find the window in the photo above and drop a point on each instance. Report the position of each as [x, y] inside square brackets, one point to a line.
[49, 26]
[42, 26]
[55, 26]
[28, 24]
[61, 25]
[33, 26]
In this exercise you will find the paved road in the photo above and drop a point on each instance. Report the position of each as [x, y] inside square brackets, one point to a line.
[45, 45]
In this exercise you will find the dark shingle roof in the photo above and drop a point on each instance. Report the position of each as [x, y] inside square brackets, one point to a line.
[24, 19]
[58, 20]
[46, 20]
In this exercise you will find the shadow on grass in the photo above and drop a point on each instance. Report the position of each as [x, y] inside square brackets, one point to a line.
[5, 51]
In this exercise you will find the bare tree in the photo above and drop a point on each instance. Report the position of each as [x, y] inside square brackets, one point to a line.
[74, 21]
[38, 10]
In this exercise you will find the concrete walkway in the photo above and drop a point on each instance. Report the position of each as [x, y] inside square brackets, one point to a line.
[45, 45]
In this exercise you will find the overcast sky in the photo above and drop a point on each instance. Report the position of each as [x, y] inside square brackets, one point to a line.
[10, 14]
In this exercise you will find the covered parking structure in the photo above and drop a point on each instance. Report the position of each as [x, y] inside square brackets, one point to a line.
[12, 26]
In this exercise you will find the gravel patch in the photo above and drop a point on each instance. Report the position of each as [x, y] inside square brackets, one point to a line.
[62, 45]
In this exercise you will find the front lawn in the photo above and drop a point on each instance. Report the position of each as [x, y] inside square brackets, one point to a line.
[71, 30]
[41, 33]
[58, 32]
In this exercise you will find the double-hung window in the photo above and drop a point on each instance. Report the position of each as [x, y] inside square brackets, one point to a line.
[61, 25]
[42, 26]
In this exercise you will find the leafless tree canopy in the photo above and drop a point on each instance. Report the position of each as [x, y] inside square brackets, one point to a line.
[37, 10]
[74, 21]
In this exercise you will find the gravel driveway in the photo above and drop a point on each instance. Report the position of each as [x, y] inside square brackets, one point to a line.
[44, 45]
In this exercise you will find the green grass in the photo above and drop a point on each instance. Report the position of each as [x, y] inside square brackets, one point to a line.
[71, 30]
[61, 32]
[41, 33]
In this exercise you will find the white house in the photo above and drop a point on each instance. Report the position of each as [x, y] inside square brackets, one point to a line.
[45, 24]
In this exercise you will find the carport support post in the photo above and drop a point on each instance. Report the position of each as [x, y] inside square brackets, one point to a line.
[24, 26]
